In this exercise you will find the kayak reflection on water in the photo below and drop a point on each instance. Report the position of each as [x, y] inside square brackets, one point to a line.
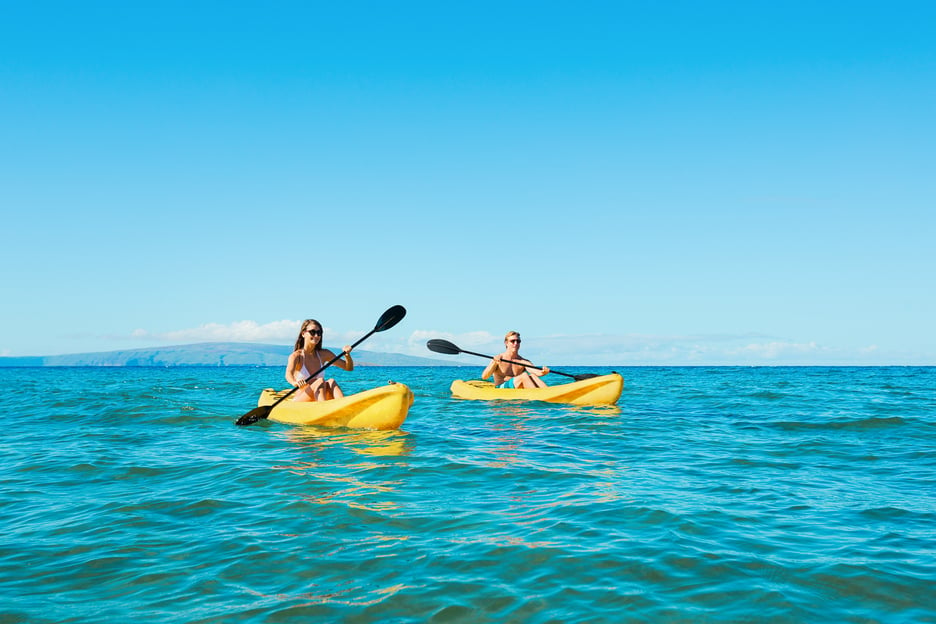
[375, 443]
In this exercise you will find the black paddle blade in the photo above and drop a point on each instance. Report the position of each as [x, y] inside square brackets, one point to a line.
[442, 346]
[390, 318]
[585, 376]
[257, 413]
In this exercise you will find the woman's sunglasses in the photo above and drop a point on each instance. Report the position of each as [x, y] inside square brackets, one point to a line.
[314, 332]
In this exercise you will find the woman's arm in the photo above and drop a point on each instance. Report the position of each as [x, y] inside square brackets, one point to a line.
[344, 364]
[291, 370]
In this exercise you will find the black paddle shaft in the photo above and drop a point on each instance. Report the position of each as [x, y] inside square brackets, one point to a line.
[444, 346]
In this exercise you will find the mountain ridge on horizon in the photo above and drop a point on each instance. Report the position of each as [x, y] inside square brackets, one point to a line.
[207, 354]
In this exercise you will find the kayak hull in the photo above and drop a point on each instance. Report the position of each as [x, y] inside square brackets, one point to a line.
[380, 408]
[601, 390]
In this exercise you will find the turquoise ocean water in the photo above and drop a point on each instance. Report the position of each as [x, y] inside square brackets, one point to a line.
[705, 495]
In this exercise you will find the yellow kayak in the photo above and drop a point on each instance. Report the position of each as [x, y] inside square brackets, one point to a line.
[380, 408]
[601, 390]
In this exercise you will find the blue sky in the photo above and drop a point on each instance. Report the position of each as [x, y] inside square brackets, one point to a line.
[621, 182]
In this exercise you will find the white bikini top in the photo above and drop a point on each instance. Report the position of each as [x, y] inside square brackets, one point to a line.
[304, 372]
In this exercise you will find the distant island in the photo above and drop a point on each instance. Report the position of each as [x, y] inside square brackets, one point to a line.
[210, 354]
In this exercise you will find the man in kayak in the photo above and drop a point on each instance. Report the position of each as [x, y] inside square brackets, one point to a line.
[309, 356]
[509, 375]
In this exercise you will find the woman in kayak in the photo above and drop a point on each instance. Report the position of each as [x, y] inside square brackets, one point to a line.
[508, 375]
[309, 357]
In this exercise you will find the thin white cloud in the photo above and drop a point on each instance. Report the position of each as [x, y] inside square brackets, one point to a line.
[776, 350]
[417, 339]
[239, 331]
[569, 350]
[478, 341]
[664, 350]
[275, 332]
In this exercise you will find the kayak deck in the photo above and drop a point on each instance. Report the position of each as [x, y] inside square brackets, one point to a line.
[600, 390]
[384, 407]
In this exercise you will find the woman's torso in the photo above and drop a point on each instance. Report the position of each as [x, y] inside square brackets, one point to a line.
[305, 359]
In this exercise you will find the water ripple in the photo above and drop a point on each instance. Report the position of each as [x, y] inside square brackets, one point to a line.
[717, 495]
